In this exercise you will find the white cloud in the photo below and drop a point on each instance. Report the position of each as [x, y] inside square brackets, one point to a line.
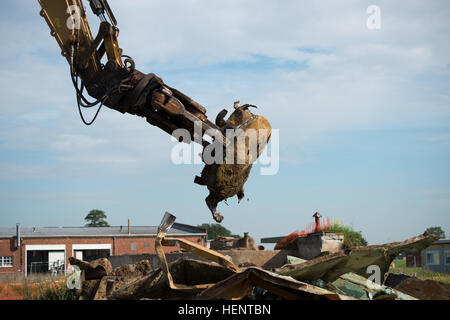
[69, 142]
[200, 32]
[355, 78]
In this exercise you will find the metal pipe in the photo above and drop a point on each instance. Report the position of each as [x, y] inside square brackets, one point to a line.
[18, 246]
[18, 235]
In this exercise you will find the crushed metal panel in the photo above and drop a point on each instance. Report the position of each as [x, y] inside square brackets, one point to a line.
[138, 269]
[192, 275]
[95, 275]
[394, 279]
[227, 180]
[330, 267]
[359, 287]
[88, 289]
[314, 269]
[109, 284]
[93, 270]
[294, 260]
[240, 286]
[199, 251]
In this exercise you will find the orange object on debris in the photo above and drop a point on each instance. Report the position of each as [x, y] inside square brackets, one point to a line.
[289, 239]
[317, 226]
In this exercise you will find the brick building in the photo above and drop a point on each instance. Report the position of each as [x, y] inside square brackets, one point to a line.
[47, 249]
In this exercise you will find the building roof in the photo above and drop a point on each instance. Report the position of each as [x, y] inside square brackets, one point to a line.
[441, 241]
[177, 229]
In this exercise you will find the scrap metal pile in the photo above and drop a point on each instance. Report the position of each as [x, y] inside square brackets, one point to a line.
[337, 276]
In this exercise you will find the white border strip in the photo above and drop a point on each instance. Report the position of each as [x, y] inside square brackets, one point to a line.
[29, 247]
[99, 246]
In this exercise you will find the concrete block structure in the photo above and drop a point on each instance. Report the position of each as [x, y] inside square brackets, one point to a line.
[315, 244]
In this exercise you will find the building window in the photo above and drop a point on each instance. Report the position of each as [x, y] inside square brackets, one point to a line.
[133, 247]
[6, 262]
[432, 258]
[447, 257]
[146, 244]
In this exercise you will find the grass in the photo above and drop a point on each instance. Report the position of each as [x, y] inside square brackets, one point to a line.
[352, 238]
[420, 273]
[35, 287]
[399, 263]
[32, 278]
[53, 291]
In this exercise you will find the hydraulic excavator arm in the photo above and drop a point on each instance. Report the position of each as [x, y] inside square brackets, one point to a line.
[117, 84]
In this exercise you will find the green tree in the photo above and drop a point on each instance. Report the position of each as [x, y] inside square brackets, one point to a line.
[437, 231]
[96, 218]
[215, 229]
[352, 238]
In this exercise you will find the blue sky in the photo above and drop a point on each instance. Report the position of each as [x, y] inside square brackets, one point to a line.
[363, 116]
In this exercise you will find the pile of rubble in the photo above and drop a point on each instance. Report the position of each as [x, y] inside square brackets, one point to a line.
[239, 243]
[331, 276]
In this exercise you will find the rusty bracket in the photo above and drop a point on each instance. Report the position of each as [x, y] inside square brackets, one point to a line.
[194, 248]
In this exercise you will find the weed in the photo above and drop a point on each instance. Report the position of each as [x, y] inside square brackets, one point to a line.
[421, 273]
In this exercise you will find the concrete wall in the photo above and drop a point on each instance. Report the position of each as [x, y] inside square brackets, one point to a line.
[267, 259]
[315, 244]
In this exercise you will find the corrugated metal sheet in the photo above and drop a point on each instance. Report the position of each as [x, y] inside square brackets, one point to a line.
[441, 241]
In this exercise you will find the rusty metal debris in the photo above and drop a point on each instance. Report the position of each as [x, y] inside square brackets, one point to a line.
[226, 179]
[337, 276]
[96, 275]
[142, 268]
[242, 285]
[93, 270]
[226, 243]
[330, 267]
[201, 251]
[188, 277]
[361, 288]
